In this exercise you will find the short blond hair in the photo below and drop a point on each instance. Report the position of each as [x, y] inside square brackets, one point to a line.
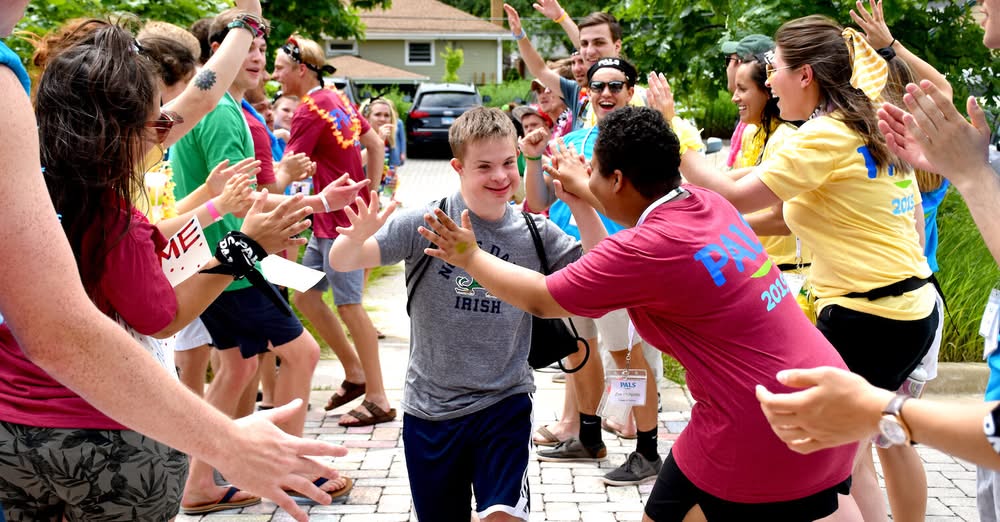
[481, 123]
[311, 52]
[170, 31]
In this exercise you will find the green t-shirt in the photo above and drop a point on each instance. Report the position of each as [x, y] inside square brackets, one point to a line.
[222, 134]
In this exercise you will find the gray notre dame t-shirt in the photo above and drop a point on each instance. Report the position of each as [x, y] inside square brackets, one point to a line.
[468, 349]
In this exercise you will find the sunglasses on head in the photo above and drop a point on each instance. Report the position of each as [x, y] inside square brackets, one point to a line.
[615, 87]
[164, 123]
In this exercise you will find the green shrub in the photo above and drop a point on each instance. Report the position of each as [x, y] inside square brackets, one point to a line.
[503, 93]
[968, 273]
[714, 116]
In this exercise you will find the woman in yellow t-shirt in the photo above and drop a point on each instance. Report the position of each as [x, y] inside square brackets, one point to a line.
[765, 133]
[854, 204]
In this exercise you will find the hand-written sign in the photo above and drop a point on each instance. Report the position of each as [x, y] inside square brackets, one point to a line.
[186, 252]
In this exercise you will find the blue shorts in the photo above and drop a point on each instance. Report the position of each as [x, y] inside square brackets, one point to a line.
[485, 452]
[248, 319]
[347, 286]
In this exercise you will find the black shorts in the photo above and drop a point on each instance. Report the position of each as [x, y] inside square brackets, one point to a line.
[674, 495]
[248, 319]
[883, 351]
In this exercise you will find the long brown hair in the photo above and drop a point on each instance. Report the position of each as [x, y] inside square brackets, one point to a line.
[816, 41]
[93, 101]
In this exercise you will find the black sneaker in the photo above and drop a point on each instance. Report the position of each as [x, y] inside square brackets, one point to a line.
[572, 450]
[635, 470]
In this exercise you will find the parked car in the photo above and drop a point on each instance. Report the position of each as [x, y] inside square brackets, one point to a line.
[435, 107]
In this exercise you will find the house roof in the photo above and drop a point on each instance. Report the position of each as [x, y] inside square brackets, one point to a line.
[365, 71]
[429, 17]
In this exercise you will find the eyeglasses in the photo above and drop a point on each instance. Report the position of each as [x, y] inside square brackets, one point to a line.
[770, 69]
[732, 58]
[615, 87]
[164, 123]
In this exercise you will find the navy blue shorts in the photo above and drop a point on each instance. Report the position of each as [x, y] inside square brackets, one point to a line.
[248, 319]
[485, 452]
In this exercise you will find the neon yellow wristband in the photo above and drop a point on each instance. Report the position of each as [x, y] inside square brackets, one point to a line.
[561, 18]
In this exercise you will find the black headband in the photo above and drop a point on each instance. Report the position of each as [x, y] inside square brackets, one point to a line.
[614, 63]
[291, 48]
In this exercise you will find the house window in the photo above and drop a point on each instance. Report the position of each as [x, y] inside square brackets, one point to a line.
[341, 47]
[419, 53]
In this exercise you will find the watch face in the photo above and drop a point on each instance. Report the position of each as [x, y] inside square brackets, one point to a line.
[892, 430]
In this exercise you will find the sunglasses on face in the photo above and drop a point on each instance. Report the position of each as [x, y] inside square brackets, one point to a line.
[732, 58]
[164, 123]
[615, 87]
[770, 70]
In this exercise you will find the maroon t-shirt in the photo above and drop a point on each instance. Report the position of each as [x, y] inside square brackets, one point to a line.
[133, 288]
[261, 149]
[326, 127]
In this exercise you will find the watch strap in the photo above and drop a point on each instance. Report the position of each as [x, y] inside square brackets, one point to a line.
[895, 406]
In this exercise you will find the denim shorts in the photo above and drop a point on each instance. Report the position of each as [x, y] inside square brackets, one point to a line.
[347, 286]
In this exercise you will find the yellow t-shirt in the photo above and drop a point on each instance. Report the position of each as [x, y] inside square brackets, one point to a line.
[784, 250]
[858, 221]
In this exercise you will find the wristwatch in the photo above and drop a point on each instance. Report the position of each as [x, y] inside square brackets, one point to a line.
[891, 425]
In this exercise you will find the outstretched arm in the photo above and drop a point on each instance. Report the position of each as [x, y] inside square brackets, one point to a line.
[210, 83]
[838, 407]
[90, 354]
[879, 36]
[519, 286]
[355, 248]
[533, 60]
[537, 186]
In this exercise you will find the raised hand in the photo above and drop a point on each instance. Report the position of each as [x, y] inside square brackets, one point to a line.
[385, 130]
[456, 245]
[217, 179]
[549, 8]
[266, 461]
[934, 136]
[513, 19]
[873, 23]
[297, 167]
[367, 220]
[660, 97]
[533, 144]
[569, 168]
[342, 191]
[236, 196]
[278, 229]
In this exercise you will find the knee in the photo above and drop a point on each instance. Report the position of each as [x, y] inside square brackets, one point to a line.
[303, 352]
[238, 370]
[307, 299]
[349, 309]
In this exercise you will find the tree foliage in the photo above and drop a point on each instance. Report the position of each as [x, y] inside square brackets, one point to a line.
[311, 18]
[453, 60]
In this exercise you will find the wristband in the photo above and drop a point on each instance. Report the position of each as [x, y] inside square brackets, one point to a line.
[520, 36]
[561, 17]
[212, 211]
[326, 206]
[238, 254]
[532, 158]
[251, 23]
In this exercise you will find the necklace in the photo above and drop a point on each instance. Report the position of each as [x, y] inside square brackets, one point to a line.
[337, 120]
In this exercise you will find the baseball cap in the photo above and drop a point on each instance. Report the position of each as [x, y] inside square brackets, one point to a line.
[521, 111]
[729, 46]
[754, 44]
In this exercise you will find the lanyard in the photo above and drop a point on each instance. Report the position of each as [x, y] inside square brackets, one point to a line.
[670, 196]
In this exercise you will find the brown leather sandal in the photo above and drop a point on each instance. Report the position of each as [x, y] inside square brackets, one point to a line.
[375, 415]
[351, 391]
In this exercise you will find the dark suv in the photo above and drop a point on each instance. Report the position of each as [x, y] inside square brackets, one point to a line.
[435, 107]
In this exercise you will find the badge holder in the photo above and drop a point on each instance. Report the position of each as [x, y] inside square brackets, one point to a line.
[623, 389]
[795, 280]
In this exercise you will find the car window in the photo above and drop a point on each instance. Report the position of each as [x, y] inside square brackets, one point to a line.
[448, 99]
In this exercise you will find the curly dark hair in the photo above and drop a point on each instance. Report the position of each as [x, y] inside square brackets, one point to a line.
[93, 101]
[173, 61]
[638, 142]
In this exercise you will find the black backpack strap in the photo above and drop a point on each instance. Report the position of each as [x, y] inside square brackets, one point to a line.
[420, 268]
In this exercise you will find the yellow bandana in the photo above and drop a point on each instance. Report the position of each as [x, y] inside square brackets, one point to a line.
[870, 72]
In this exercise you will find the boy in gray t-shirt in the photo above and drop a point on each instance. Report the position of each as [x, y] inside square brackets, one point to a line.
[467, 422]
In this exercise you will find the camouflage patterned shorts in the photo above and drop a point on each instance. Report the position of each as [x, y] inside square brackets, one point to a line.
[93, 475]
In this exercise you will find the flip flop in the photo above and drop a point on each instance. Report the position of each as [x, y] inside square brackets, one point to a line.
[339, 496]
[547, 438]
[351, 391]
[616, 432]
[226, 502]
[375, 415]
